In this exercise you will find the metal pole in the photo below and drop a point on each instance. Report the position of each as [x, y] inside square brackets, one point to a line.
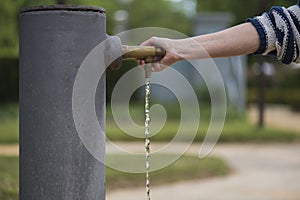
[54, 164]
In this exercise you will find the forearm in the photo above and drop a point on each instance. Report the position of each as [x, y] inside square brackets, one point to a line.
[238, 40]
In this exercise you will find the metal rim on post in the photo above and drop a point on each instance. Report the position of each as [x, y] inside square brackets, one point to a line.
[63, 8]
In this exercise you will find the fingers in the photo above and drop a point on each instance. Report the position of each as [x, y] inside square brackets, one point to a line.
[153, 41]
[157, 67]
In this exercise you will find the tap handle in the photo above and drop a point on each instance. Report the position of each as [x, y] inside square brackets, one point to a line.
[147, 53]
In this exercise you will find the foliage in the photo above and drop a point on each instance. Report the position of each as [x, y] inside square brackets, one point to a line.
[283, 87]
[9, 31]
[157, 13]
[241, 9]
[112, 76]
[141, 13]
[9, 79]
[110, 6]
[9, 27]
[288, 96]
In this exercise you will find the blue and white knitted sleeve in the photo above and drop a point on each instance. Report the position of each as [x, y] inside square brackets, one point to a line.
[279, 33]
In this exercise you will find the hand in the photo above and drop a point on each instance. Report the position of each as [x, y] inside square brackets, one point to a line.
[169, 59]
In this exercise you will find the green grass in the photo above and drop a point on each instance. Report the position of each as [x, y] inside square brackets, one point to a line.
[9, 123]
[185, 168]
[236, 128]
[233, 131]
[242, 131]
[9, 131]
[9, 178]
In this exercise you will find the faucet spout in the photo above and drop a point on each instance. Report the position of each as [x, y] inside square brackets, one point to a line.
[147, 53]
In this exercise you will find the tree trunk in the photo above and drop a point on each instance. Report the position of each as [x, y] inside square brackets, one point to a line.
[61, 1]
[261, 80]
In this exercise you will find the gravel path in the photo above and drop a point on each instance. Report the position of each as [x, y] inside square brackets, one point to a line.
[9, 149]
[262, 172]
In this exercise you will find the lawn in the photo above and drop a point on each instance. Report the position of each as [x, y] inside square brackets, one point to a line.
[9, 178]
[9, 123]
[233, 131]
[185, 168]
[236, 129]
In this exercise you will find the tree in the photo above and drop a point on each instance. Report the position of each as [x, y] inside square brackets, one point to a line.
[241, 9]
[158, 13]
[141, 13]
[9, 28]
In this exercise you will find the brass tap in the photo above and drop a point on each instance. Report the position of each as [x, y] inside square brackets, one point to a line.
[149, 54]
[143, 52]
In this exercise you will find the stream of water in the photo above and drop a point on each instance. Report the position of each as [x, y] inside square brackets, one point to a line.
[147, 132]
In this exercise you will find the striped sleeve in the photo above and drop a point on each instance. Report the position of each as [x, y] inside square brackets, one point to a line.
[279, 35]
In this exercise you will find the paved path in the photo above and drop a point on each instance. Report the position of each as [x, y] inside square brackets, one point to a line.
[9, 149]
[262, 172]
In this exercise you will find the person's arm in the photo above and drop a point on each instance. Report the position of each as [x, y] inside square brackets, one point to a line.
[275, 33]
[241, 39]
[237, 40]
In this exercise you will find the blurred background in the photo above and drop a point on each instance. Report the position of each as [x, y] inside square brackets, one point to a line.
[263, 95]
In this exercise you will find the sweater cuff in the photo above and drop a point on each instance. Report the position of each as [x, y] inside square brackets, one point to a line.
[262, 35]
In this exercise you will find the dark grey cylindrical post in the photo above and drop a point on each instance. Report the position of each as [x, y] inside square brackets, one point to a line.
[54, 164]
